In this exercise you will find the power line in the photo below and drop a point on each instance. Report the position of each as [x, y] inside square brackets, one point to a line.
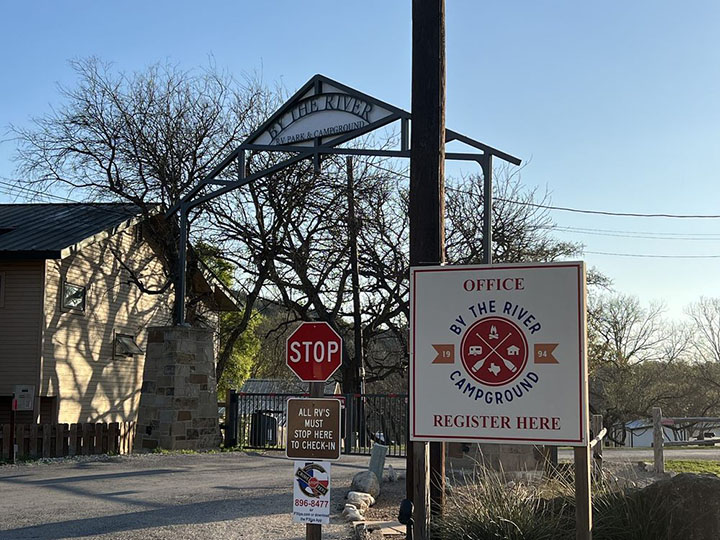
[592, 212]
[649, 233]
[616, 214]
[565, 208]
[657, 236]
[24, 191]
[649, 256]
[27, 191]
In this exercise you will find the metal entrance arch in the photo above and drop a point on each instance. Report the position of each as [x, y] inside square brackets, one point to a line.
[315, 121]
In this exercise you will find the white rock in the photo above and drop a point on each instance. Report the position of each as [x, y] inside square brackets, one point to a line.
[359, 503]
[355, 497]
[392, 475]
[351, 513]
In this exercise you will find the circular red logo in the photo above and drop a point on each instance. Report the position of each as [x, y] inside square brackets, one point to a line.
[494, 351]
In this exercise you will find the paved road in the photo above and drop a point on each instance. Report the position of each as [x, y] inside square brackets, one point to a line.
[230, 495]
[646, 454]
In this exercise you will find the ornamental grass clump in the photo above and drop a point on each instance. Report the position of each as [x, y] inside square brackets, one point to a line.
[485, 506]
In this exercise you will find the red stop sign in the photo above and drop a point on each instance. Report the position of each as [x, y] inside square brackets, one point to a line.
[314, 351]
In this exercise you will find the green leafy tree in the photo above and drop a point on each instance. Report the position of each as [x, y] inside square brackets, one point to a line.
[239, 352]
[244, 356]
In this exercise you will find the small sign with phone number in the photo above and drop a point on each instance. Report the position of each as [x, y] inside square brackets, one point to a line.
[311, 492]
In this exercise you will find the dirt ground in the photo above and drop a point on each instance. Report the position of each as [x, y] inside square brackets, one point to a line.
[388, 502]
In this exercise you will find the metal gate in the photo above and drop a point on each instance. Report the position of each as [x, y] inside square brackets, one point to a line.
[366, 419]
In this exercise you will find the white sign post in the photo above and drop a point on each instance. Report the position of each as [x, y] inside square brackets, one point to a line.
[311, 492]
[498, 354]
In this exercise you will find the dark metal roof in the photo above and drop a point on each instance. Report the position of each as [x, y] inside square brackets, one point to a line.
[42, 231]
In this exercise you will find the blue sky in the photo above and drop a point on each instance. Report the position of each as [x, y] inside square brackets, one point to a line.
[613, 106]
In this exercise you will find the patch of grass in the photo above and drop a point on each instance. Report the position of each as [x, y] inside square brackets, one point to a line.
[219, 450]
[693, 466]
[232, 449]
[165, 451]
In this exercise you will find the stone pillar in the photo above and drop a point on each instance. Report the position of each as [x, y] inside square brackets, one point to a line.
[178, 402]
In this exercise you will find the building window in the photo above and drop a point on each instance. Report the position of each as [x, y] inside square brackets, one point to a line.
[73, 297]
[125, 345]
[138, 233]
[2, 289]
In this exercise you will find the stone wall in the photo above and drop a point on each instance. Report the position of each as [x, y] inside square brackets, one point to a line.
[178, 403]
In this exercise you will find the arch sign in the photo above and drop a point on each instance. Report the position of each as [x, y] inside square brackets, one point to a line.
[498, 353]
[320, 113]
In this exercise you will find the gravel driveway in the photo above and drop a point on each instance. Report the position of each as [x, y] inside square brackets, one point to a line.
[228, 495]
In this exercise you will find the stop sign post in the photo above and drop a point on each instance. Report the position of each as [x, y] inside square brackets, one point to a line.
[314, 351]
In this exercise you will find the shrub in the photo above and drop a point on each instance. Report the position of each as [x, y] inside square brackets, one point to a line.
[486, 506]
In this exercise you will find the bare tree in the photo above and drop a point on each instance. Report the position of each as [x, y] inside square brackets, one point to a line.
[637, 360]
[522, 229]
[296, 222]
[705, 313]
[145, 138]
[148, 137]
[294, 226]
[629, 333]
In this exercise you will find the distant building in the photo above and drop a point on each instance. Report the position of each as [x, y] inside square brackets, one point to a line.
[71, 322]
[639, 433]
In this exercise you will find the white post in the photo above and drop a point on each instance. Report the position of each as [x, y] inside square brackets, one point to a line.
[658, 440]
[597, 451]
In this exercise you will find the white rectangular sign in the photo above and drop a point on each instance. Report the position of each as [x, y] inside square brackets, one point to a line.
[24, 397]
[311, 492]
[498, 353]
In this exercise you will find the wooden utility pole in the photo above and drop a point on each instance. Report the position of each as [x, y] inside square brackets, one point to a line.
[359, 364]
[426, 473]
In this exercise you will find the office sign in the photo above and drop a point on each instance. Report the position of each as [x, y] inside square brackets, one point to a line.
[498, 353]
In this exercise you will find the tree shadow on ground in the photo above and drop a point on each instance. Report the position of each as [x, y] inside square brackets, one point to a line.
[166, 516]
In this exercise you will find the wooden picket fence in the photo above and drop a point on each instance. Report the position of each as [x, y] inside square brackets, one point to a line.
[59, 440]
